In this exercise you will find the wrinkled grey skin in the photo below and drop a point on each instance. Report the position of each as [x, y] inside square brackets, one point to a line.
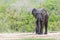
[41, 16]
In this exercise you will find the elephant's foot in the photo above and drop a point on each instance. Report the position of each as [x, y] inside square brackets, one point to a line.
[45, 33]
[39, 33]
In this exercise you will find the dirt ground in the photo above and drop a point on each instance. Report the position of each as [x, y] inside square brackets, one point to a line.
[7, 36]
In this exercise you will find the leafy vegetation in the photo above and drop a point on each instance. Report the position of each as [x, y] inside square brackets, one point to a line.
[53, 9]
[21, 20]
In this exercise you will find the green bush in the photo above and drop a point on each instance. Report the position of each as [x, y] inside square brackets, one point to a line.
[53, 10]
[12, 21]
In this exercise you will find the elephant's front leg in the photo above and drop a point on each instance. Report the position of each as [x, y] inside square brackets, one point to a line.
[41, 27]
[37, 27]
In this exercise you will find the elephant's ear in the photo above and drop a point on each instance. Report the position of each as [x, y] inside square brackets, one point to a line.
[34, 11]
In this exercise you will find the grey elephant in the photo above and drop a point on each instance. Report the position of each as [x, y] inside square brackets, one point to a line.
[42, 17]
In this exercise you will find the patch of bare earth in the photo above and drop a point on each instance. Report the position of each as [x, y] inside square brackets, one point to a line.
[7, 36]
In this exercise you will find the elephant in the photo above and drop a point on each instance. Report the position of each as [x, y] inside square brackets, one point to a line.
[41, 16]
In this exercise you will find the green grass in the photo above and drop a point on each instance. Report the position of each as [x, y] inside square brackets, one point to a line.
[37, 39]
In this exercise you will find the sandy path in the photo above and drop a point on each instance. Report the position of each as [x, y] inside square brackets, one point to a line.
[6, 36]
